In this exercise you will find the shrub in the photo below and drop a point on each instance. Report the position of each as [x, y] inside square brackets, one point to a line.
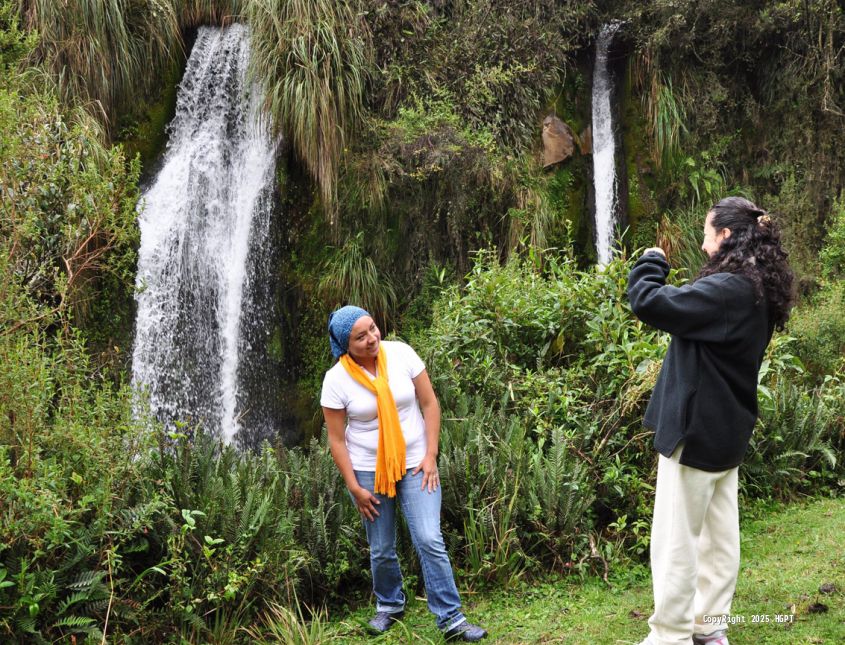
[509, 500]
[832, 255]
[819, 323]
[797, 445]
[819, 327]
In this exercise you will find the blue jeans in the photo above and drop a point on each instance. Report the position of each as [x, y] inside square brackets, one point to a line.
[421, 510]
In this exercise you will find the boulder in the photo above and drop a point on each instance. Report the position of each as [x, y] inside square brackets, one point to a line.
[558, 141]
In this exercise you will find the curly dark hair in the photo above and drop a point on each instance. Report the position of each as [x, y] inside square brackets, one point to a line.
[753, 249]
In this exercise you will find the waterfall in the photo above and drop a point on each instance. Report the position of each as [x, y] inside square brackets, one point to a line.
[604, 146]
[204, 220]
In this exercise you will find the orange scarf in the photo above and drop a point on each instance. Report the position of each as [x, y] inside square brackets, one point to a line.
[390, 457]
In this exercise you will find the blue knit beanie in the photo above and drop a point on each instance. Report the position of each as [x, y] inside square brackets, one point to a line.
[340, 326]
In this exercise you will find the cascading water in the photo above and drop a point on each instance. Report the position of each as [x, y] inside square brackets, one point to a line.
[204, 220]
[604, 146]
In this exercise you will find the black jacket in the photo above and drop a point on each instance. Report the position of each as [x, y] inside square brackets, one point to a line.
[706, 394]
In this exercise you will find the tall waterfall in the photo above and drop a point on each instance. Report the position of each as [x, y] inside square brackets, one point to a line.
[604, 146]
[205, 223]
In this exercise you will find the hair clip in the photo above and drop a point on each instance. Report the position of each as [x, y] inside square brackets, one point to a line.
[764, 220]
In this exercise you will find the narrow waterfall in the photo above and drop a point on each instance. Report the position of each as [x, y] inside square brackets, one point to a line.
[204, 220]
[604, 146]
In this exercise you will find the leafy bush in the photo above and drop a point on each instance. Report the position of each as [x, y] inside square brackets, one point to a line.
[832, 255]
[819, 327]
[67, 220]
[819, 322]
[558, 355]
[509, 500]
[797, 446]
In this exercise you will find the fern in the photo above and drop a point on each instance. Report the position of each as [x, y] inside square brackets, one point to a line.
[79, 596]
[78, 623]
[87, 580]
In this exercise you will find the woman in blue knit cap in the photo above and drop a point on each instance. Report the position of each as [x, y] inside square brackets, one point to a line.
[383, 423]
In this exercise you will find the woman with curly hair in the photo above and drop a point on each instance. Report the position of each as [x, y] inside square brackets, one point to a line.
[703, 410]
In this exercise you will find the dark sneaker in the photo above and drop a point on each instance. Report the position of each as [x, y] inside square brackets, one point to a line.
[383, 621]
[719, 637]
[466, 631]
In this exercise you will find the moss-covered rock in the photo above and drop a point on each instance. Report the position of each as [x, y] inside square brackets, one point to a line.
[143, 131]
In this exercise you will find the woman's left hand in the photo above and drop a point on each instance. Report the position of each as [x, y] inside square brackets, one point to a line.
[431, 477]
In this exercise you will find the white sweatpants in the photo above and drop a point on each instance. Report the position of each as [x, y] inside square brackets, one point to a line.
[694, 551]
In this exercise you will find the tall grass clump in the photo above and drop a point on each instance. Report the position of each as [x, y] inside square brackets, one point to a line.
[665, 119]
[193, 13]
[312, 59]
[281, 624]
[681, 234]
[102, 54]
[351, 277]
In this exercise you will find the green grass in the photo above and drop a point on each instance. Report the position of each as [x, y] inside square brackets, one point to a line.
[788, 553]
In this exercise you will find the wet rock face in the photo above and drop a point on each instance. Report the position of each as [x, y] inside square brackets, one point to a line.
[558, 141]
[585, 141]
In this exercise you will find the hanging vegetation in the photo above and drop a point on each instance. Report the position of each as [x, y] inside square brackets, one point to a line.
[312, 59]
[350, 277]
[103, 55]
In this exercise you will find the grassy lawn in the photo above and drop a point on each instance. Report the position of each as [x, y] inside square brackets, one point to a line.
[788, 553]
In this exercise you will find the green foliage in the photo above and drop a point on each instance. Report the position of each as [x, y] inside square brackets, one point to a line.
[312, 59]
[67, 222]
[665, 121]
[327, 525]
[69, 451]
[560, 356]
[819, 326]
[798, 444]
[832, 255]
[495, 62]
[280, 624]
[681, 235]
[705, 183]
[819, 323]
[799, 222]
[193, 13]
[417, 315]
[100, 54]
[560, 372]
[350, 277]
[509, 500]
[237, 534]
[14, 43]
[433, 189]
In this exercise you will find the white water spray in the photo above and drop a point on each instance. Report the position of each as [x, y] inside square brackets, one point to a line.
[604, 146]
[205, 213]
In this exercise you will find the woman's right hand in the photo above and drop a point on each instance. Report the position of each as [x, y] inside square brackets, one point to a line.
[366, 503]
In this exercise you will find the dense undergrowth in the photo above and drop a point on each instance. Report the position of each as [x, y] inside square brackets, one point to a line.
[108, 526]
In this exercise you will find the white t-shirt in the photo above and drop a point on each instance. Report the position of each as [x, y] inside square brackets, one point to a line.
[342, 392]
